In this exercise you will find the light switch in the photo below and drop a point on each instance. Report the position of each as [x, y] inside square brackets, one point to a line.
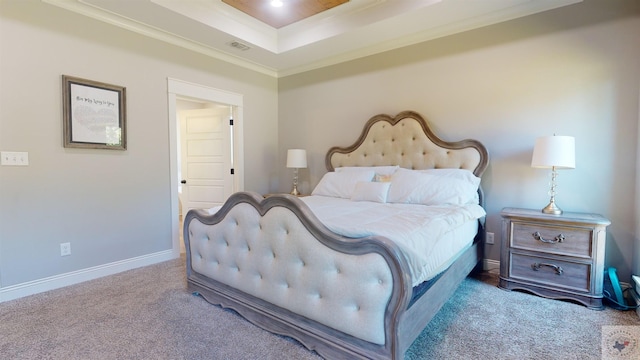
[14, 158]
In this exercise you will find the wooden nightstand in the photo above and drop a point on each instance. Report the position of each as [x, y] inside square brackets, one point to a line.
[554, 256]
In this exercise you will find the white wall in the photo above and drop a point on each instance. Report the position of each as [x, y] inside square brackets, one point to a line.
[111, 205]
[572, 71]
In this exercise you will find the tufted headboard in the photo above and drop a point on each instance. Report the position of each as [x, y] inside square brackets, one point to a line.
[406, 140]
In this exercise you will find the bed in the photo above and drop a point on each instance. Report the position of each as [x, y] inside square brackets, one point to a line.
[279, 266]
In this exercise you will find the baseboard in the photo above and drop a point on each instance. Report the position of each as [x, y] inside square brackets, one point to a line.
[58, 281]
[490, 265]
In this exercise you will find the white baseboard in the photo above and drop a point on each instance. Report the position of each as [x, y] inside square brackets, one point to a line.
[58, 281]
[490, 265]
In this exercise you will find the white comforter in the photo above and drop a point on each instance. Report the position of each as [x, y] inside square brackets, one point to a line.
[417, 229]
[430, 236]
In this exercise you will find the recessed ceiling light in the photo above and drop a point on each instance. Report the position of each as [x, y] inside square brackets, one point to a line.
[276, 3]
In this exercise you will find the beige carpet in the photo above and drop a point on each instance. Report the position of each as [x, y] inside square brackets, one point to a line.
[148, 314]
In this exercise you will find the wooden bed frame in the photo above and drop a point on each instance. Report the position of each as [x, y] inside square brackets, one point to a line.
[237, 258]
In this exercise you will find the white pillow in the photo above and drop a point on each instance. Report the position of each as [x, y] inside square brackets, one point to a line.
[462, 174]
[371, 191]
[341, 184]
[379, 170]
[423, 187]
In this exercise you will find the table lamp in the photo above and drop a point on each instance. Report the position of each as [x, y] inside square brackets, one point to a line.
[296, 159]
[555, 152]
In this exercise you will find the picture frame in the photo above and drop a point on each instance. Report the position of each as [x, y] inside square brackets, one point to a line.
[94, 114]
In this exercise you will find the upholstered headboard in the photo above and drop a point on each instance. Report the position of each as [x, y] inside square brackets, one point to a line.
[406, 140]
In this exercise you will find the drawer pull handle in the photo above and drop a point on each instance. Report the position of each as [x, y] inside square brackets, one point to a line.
[557, 239]
[537, 266]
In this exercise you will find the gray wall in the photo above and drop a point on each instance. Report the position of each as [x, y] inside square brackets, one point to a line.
[111, 205]
[571, 71]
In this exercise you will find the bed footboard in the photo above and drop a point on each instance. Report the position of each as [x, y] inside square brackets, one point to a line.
[274, 263]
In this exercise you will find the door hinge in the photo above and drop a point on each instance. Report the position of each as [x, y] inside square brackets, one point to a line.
[231, 122]
[231, 171]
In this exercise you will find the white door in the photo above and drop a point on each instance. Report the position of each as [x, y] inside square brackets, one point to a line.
[205, 153]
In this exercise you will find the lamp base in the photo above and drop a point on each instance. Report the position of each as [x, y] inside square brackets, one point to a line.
[552, 209]
[295, 191]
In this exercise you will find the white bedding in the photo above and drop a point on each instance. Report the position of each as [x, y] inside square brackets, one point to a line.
[430, 236]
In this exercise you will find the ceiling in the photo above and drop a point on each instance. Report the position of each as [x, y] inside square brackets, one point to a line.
[302, 34]
[273, 14]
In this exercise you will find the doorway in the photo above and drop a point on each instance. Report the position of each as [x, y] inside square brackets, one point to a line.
[205, 107]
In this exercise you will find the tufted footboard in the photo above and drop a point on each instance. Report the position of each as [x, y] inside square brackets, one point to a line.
[273, 262]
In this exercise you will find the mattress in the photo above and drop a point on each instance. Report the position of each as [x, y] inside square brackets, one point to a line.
[431, 237]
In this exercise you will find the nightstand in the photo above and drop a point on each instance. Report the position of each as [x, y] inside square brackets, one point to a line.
[554, 256]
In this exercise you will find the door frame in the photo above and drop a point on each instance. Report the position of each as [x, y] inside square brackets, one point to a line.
[183, 89]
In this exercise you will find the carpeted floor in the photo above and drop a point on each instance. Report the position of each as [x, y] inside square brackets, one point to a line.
[147, 313]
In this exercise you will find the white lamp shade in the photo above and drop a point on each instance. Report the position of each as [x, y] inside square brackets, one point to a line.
[558, 151]
[296, 158]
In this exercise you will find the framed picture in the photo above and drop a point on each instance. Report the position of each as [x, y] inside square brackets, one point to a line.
[94, 114]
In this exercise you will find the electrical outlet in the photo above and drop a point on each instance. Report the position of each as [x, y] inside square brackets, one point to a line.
[65, 249]
[489, 238]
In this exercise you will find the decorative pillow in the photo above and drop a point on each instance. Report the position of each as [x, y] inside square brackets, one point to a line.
[424, 187]
[371, 191]
[379, 170]
[382, 178]
[341, 184]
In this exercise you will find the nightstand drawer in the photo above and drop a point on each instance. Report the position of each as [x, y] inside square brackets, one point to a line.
[560, 240]
[551, 272]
